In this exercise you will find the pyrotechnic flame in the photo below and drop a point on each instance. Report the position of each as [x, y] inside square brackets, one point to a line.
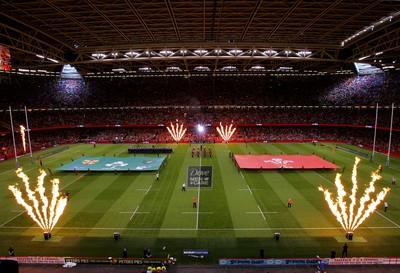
[22, 131]
[38, 208]
[344, 214]
[225, 132]
[177, 132]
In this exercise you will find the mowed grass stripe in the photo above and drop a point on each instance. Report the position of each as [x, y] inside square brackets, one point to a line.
[241, 202]
[303, 213]
[93, 201]
[216, 199]
[265, 196]
[143, 199]
[289, 184]
[121, 212]
[175, 174]
[300, 237]
[272, 199]
[158, 200]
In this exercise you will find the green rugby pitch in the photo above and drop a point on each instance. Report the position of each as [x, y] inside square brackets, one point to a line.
[235, 218]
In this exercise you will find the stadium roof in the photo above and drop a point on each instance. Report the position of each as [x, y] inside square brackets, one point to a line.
[172, 37]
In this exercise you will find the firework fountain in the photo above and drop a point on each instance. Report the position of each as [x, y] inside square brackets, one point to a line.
[226, 132]
[44, 211]
[359, 209]
[22, 132]
[177, 131]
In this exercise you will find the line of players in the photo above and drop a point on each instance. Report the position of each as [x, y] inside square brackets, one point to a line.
[201, 148]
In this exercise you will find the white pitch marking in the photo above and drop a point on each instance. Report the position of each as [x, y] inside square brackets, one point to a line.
[148, 190]
[138, 212]
[261, 213]
[73, 181]
[121, 151]
[249, 189]
[198, 198]
[191, 212]
[387, 219]
[134, 213]
[30, 169]
[241, 175]
[11, 219]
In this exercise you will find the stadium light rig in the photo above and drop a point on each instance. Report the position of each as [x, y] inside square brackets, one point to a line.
[44, 211]
[176, 132]
[226, 132]
[353, 215]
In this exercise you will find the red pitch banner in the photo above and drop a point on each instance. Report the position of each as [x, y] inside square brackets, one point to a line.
[283, 162]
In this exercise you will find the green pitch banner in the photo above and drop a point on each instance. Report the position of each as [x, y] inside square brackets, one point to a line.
[111, 163]
[199, 176]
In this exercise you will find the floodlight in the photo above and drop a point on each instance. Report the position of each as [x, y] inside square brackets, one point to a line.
[200, 128]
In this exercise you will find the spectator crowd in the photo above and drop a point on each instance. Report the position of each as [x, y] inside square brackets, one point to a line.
[47, 92]
[264, 109]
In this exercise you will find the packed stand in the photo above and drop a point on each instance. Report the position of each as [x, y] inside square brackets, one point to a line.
[50, 92]
[137, 110]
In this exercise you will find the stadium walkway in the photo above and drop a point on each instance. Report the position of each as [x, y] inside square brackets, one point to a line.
[207, 269]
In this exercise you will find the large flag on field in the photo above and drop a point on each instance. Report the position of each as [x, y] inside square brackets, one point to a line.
[283, 162]
[111, 163]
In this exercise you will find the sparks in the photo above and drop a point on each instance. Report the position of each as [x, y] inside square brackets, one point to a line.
[226, 132]
[177, 132]
[43, 210]
[22, 131]
[352, 216]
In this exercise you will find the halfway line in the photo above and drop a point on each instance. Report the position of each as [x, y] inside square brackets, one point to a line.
[198, 195]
